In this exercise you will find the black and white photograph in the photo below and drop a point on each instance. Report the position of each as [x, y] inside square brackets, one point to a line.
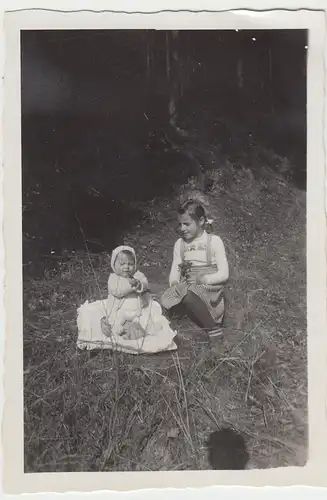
[164, 249]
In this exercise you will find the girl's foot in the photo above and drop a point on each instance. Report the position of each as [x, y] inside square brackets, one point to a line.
[105, 327]
[133, 331]
[166, 313]
[94, 353]
[215, 332]
[215, 337]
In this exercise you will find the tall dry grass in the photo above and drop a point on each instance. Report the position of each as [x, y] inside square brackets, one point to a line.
[112, 411]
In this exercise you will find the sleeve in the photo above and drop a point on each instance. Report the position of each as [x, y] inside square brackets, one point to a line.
[118, 287]
[175, 273]
[222, 274]
[144, 282]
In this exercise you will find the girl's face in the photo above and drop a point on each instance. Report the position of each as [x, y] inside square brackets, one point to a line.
[124, 265]
[189, 227]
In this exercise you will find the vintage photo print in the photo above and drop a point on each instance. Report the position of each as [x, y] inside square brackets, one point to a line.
[164, 240]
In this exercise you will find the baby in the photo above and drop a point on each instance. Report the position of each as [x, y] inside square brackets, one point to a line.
[128, 296]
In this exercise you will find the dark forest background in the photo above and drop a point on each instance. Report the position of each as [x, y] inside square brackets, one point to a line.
[117, 127]
[111, 119]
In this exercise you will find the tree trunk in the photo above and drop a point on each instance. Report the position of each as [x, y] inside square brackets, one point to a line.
[148, 72]
[148, 56]
[167, 57]
[240, 79]
[174, 80]
[271, 93]
[179, 139]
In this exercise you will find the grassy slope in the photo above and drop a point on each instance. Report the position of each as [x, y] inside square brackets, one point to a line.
[119, 412]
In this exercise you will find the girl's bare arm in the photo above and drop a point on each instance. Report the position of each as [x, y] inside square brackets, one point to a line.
[144, 285]
[222, 275]
[175, 274]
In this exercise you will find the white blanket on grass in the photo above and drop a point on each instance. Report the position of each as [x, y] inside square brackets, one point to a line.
[90, 335]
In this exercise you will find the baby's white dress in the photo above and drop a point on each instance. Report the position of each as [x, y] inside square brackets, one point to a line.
[124, 303]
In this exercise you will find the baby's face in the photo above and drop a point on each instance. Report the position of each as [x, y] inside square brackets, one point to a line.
[124, 265]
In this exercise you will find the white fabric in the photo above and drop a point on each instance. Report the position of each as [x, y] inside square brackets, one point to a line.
[196, 252]
[124, 304]
[90, 335]
[127, 305]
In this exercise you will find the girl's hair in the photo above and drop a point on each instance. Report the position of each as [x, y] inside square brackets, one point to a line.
[194, 209]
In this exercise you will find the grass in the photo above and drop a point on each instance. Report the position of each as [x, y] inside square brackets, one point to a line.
[109, 411]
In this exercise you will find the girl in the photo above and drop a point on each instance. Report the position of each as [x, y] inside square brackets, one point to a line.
[129, 319]
[129, 301]
[199, 271]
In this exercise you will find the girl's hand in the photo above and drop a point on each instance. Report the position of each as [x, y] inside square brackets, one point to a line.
[135, 283]
[138, 285]
[201, 279]
[185, 268]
